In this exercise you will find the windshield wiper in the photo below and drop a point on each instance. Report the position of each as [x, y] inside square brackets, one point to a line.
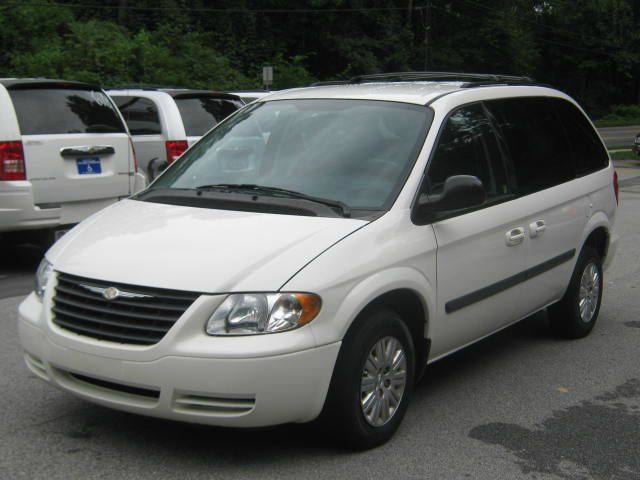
[342, 207]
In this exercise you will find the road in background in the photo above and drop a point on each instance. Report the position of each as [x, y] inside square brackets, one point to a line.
[619, 137]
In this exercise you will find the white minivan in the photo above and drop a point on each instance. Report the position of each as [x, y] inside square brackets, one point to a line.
[164, 122]
[315, 251]
[65, 153]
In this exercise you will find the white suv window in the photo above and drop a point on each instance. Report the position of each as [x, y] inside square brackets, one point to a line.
[46, 111]
[141, 115]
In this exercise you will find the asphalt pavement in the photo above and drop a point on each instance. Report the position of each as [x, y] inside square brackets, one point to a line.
[519, 405]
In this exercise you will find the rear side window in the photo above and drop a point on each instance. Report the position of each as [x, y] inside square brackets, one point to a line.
[536, 142]
[43, 111]
[200, 114]
[468, 146]
[589, 155]
[141, 115]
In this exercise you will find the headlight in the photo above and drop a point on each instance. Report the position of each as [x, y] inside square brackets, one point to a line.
[43, 274]
[252, 313]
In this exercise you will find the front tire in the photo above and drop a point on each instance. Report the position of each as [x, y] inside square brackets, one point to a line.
[575, 315]
[372, 381]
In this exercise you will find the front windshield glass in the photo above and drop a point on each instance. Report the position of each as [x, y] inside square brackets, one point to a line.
[352, 151]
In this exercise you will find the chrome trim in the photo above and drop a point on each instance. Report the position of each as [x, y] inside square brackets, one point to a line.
[111, 293]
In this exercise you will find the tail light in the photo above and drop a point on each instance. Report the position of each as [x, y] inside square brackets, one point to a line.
[616, 188]
[135, 159]
[12, 161]
[175, 148]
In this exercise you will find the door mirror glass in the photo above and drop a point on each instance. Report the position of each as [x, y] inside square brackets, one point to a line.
[459, 192]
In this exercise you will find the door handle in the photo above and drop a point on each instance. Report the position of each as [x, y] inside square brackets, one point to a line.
[537, 228]
[515, 236]
[83, 150]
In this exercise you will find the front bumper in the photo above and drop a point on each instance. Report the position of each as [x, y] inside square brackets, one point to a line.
[173, 381]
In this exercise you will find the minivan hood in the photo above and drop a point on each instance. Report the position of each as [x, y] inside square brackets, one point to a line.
[195, 249]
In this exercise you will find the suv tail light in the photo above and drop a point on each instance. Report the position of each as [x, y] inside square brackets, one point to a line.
[616, 188]
[12, 161]
[175, 148]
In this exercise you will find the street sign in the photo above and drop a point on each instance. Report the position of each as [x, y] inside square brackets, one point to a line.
[267, 76]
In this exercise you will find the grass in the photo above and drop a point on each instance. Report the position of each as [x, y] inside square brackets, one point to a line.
[623, 155]
[616, 122]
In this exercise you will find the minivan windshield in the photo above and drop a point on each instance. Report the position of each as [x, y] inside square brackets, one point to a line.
[350, 151]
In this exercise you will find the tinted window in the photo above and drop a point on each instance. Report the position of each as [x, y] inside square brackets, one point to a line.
[201, 114]
[57, 110]
[589, 154]
[358, 152]
[468, 146]
[141, 115]
[536, 142]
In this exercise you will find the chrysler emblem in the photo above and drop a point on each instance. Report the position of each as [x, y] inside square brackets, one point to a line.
[111, 293]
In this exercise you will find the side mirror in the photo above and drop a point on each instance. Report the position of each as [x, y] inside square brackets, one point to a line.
[459, 192]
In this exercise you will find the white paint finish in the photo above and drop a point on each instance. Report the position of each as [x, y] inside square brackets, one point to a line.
[388, 254]
[473, 254]
[150, 147]
[52, 179]
[196, 249]
[268, 379]
[55, 178]
[347, 262]
[416, 92]
[9, 129]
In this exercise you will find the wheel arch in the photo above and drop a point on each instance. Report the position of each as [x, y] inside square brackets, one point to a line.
[598, 235]
[404, 291]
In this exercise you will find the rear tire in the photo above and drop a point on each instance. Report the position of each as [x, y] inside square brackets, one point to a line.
[372, 382]
[575, 315]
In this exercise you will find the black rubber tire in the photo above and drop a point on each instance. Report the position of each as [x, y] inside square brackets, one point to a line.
[342, 415]
[564, 316]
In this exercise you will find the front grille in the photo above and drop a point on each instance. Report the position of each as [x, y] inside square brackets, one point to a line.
[142, 319]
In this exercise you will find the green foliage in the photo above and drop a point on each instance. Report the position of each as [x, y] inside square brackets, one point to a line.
[623, 155]
[620, 115]
[591, 49]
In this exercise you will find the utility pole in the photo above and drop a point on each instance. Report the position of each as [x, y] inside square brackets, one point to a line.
[427, 34]
[122, 12]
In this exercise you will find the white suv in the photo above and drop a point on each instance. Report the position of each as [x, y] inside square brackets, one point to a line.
[310, 255]
[164, 122]
[64, 154]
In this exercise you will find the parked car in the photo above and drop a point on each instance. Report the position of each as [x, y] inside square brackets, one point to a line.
[164, 122]
[636, 145]
[249, 96]
[64, 154]
[308, 258]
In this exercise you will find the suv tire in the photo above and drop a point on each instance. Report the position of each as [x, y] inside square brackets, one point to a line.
[366, 377]
[576, 313]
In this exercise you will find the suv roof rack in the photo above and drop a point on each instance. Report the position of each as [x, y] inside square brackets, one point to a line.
[143, 86]
[468, 79]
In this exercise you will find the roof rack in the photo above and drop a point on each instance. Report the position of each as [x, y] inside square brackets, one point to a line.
[143, 86]
[326, 83]
[468, 79]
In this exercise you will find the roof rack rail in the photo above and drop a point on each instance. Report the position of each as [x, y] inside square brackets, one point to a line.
[326, 83]
[143, 86]
[469, 79]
